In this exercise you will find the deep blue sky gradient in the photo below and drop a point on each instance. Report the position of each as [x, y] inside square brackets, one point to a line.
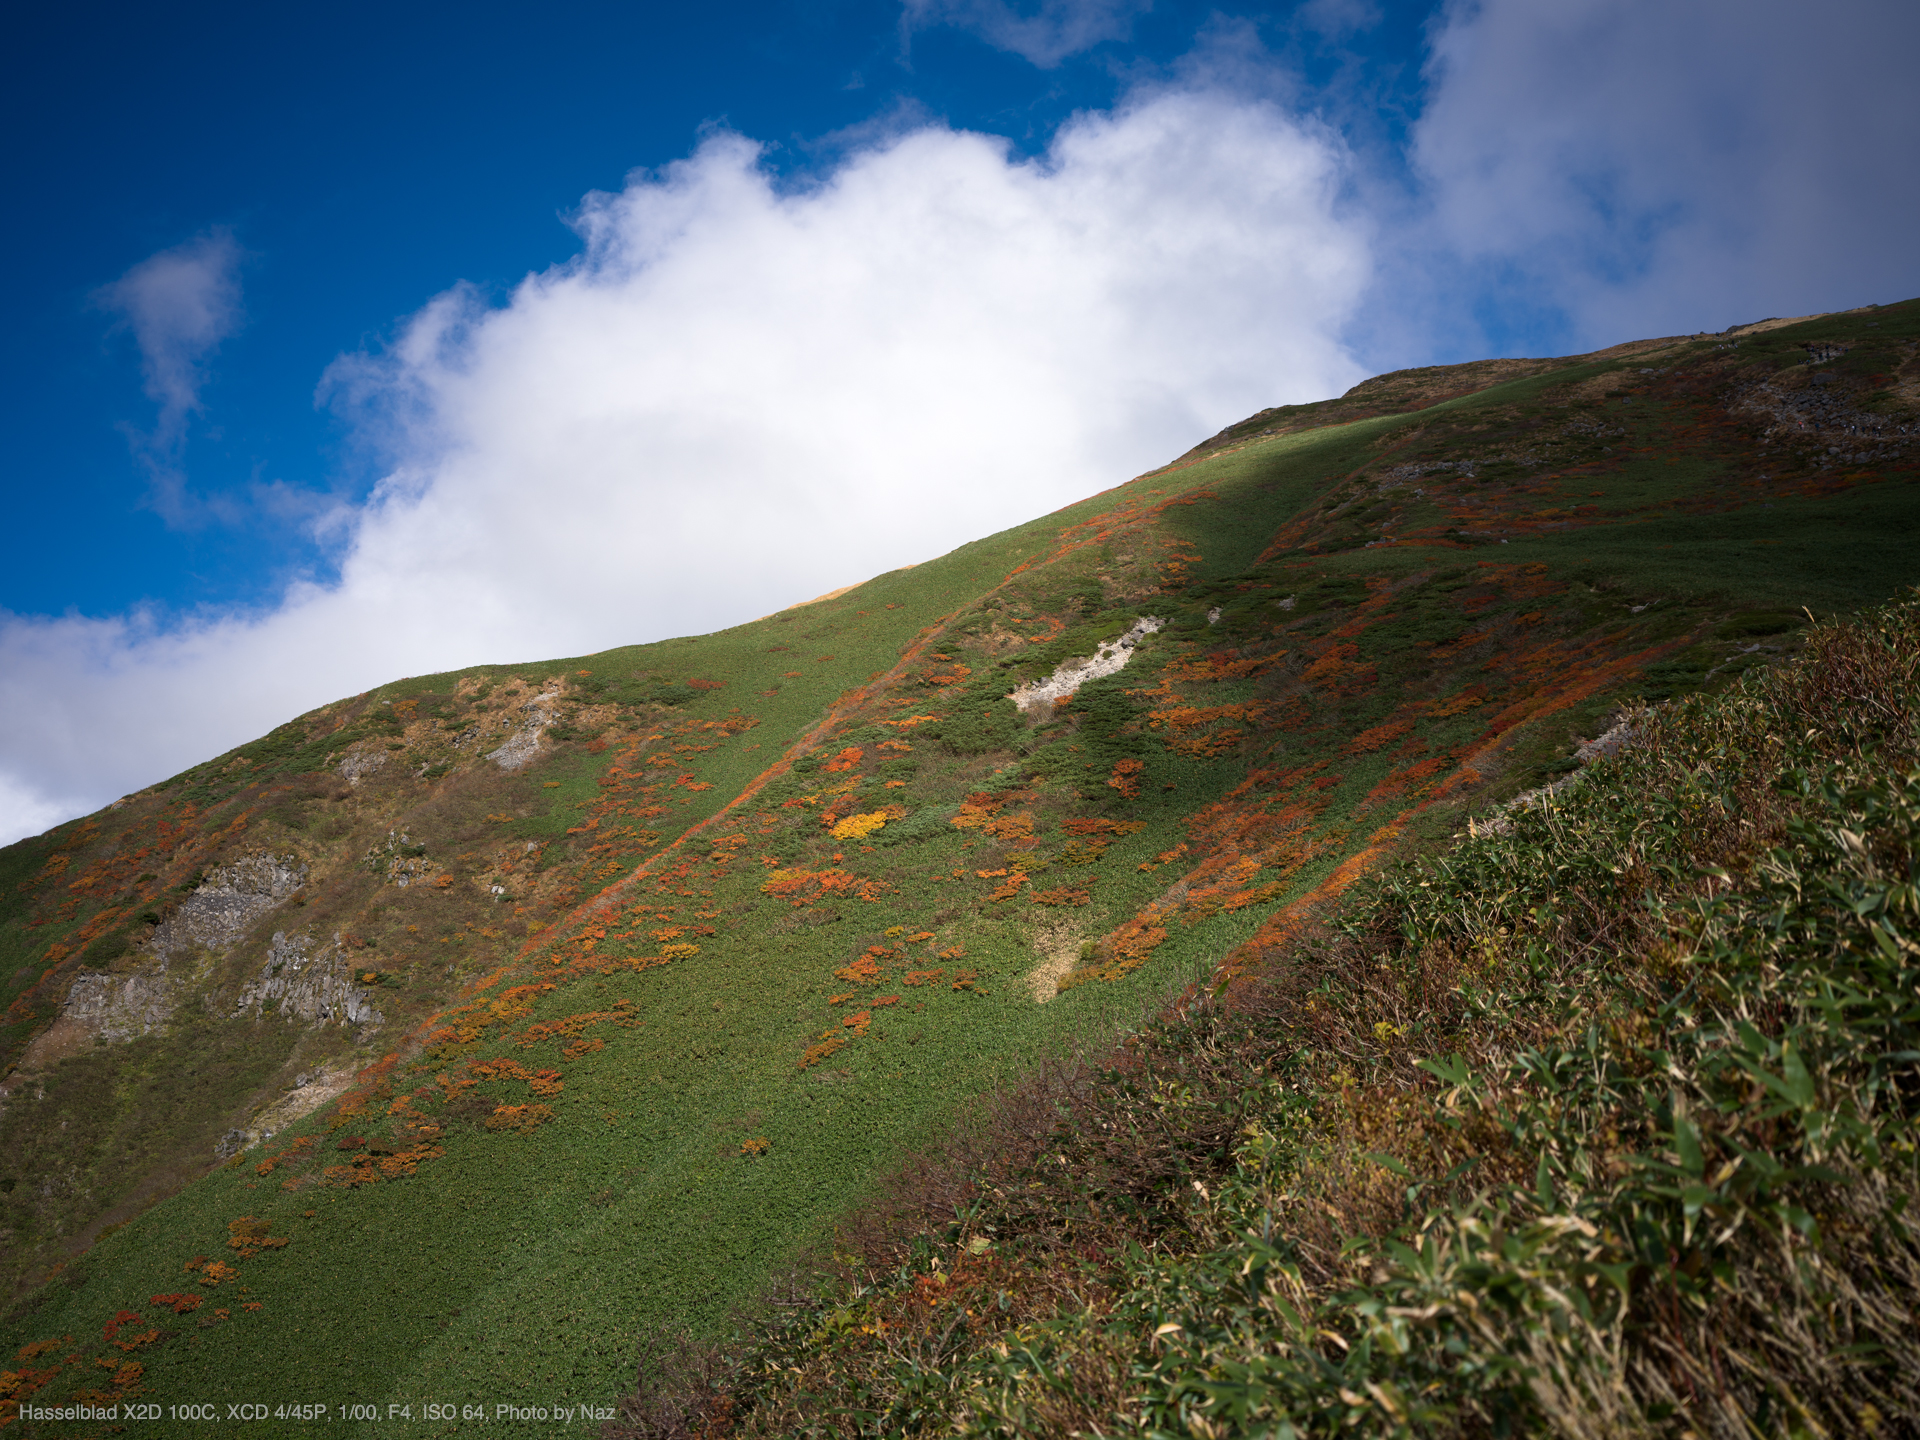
[366, 157]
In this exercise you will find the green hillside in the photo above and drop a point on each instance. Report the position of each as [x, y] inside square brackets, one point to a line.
[416, 1080]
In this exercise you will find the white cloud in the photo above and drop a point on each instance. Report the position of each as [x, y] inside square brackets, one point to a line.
[741, 394]
[1650, 167]
[179, 304]
[744, 392]
[1055, 30]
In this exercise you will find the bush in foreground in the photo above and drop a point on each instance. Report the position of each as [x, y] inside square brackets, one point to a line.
[1601, 1126]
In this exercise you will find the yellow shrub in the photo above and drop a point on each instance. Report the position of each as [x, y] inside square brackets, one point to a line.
[858, 827]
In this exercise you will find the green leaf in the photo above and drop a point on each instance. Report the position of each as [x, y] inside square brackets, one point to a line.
[1686, 1140]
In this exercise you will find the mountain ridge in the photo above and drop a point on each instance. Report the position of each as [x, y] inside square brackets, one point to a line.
[1377, 623]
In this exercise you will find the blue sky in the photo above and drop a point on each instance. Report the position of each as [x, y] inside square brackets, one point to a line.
[364, 162]
[388, 339]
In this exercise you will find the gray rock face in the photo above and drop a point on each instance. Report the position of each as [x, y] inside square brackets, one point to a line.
[315, 986]
[361, 761]
[123, 1007]
[1108, 659]
[212, 919]
[227, 904]
[1612, 743]
[524, 743]
[1623, 734]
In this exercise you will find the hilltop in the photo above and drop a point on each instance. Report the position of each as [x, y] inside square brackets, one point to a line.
[453, 1038]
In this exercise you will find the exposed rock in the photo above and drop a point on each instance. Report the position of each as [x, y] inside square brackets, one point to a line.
[310, 1091]
[401, 858]
[122, 1007]
[1617, 738]
[524, 743]
[362, 761]
[1071, 675]
[227, 904]
[208, 923]
[1612, 743]
[303, 984]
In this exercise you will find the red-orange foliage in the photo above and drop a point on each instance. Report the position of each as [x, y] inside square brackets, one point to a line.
[864, 969]
[953, 674]
[827, 1044]
[802, 887]
[1010, 827]
[1202, 731]
[1367, 741]
[1008, 887]
[113, 1326]
[1127, 949]
[1126, 778]
[248, 1237]
[522, 1118]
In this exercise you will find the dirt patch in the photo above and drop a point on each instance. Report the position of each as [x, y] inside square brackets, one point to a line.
[303, 1100]
[1059, 946]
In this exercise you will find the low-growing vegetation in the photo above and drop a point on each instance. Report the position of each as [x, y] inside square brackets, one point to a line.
[516, 1012]
[1601, 1126]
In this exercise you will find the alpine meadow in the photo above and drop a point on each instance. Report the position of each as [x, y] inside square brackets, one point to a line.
[1404, 920]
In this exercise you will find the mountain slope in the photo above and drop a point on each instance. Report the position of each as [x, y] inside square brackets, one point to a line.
[523, 1062]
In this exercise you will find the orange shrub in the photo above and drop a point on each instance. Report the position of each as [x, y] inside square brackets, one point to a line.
[125, 1317]
[523, 1118]
[863, 970]
[828, 1043]
[248, 1237]
[215, 1271]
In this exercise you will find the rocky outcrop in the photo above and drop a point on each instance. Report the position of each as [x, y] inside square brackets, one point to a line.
[175, 963]
[316, 986]
[1618, 737]
[227, 904]
[1071, 675]
[362, 761]
[311, 1089]
[524, 743]
[122, 1007]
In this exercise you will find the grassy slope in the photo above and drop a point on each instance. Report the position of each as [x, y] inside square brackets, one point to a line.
[1604, 1125]
[1276, 745]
